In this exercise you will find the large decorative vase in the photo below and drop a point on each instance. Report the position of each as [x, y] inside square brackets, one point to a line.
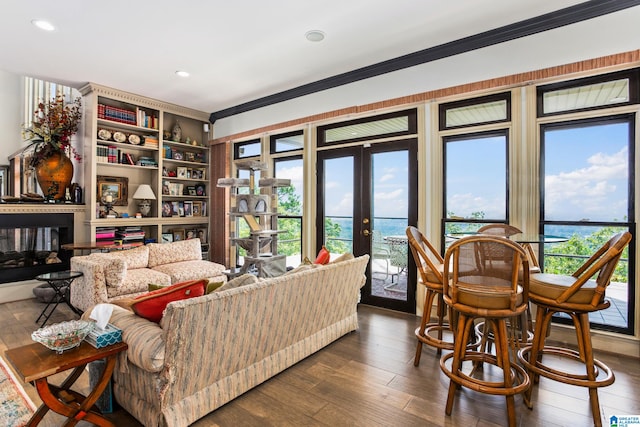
[54, 175]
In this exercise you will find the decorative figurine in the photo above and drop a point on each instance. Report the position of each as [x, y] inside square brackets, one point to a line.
[176, 132]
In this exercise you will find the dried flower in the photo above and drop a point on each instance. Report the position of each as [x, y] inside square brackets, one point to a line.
[53, 125]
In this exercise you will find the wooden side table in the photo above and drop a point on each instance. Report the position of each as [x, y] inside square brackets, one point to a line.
[35, 363]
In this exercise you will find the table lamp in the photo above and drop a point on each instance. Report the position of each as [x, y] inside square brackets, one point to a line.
[144, 193]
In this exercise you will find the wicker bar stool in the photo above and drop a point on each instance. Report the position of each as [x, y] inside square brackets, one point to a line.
[430, 268]
[577, 296]
[480, 287]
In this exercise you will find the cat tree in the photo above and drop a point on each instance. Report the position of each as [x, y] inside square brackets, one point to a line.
[259, 209]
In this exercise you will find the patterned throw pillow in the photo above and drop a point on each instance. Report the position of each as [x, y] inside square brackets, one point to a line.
[151, 306]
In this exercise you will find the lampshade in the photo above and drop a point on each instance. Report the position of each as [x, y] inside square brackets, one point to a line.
[144, 192]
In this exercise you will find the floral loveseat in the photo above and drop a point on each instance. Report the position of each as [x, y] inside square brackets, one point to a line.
[108, 277]
[234, 339]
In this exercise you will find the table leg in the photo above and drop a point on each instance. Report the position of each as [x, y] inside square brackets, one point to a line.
[57, 297]
[63, 401]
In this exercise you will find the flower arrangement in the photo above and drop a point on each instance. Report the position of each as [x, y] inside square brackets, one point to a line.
[53, 125]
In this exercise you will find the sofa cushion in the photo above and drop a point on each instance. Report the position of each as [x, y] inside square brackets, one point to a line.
[135, 258]
[114, 269]
[165, 253]
[137, 280]
[245, 279]
[213, 284]
[190, 270]
[344, 257]
[151, 306]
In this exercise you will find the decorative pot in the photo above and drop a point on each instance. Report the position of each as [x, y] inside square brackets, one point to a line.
[54, 175]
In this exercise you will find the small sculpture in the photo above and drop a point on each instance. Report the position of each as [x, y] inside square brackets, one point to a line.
[176, 132]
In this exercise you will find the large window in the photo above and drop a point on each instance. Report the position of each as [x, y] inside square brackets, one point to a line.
[586, 197]
[475, 181]
[290, 210]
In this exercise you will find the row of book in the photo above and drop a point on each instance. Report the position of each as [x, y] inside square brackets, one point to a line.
[125, 236]
[139, 117]
[112, 154]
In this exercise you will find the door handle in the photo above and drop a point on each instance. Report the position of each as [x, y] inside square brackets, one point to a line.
[367, 233]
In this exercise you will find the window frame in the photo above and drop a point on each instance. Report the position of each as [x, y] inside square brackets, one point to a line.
[442, 110]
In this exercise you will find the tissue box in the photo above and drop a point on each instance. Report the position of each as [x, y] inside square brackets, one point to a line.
[102, 338]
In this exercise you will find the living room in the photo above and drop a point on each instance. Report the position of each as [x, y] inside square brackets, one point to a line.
[492, 67]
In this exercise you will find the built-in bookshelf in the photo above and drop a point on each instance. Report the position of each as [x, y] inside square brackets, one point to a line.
[128, 142]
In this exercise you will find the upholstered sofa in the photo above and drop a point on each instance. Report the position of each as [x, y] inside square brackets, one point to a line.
[234, 339]
[108, 277]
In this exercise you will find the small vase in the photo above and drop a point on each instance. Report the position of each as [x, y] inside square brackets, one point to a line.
[54, 175]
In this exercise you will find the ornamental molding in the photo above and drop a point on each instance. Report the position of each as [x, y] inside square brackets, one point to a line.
[143, 101]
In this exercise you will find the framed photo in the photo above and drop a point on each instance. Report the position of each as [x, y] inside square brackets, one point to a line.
[117, 186]
[181, 172]
[167, 237]
[188, 208]
[202, 235]
[181, 208]
[200, 190]
[165, 188]
[197, 209]
[177, 155]
[192, 190]
[191, 234]
[189, 156]
[178, 234]
[167, 209]
[175, 208]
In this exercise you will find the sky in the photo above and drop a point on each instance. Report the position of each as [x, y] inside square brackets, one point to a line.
[586, 177]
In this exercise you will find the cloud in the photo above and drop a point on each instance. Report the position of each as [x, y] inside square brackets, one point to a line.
[594, 192]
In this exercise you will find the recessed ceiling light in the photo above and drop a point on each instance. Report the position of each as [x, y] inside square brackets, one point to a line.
[43, 25]
[182, 73]
[314, 35]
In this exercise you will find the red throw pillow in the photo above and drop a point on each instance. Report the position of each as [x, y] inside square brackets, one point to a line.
[323, 256]
[152, 305]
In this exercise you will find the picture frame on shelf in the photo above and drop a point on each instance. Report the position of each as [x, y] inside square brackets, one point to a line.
[178, 234]
[166, 209]
[175, 208]
[117, 186]
[181, 208]
[188, 208]
[197, 208]
[167, 237]
[177, 155]
[191, 234]
[165, 188]
[181, 172]
[190, 156]
[202, 235]
[191, 189]
[204, 208]
[200, 190]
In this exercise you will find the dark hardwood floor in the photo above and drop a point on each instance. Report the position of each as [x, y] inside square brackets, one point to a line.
[367, 378]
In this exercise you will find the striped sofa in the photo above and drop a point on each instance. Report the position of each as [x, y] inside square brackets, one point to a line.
[208, 350]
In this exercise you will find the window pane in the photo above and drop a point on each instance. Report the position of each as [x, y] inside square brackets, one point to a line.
[478, 113]
[290, 209]
[374, 128]
[577, 98]
[587, 173]
[338, 204]
[287, 143]
[247, 149]
[476, 178]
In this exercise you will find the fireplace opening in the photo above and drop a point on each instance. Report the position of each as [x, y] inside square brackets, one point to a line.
[30, 244]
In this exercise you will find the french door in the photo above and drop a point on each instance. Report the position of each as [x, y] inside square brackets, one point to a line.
[367, 196]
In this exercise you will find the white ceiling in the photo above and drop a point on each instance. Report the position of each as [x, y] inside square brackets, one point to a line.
[235, 51]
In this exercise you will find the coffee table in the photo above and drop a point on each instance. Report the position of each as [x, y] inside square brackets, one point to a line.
[36, 363]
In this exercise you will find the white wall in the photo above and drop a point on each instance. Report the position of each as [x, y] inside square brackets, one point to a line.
[10, 115]
[606, 35]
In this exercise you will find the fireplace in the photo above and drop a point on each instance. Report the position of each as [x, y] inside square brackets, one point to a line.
[30, 244]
